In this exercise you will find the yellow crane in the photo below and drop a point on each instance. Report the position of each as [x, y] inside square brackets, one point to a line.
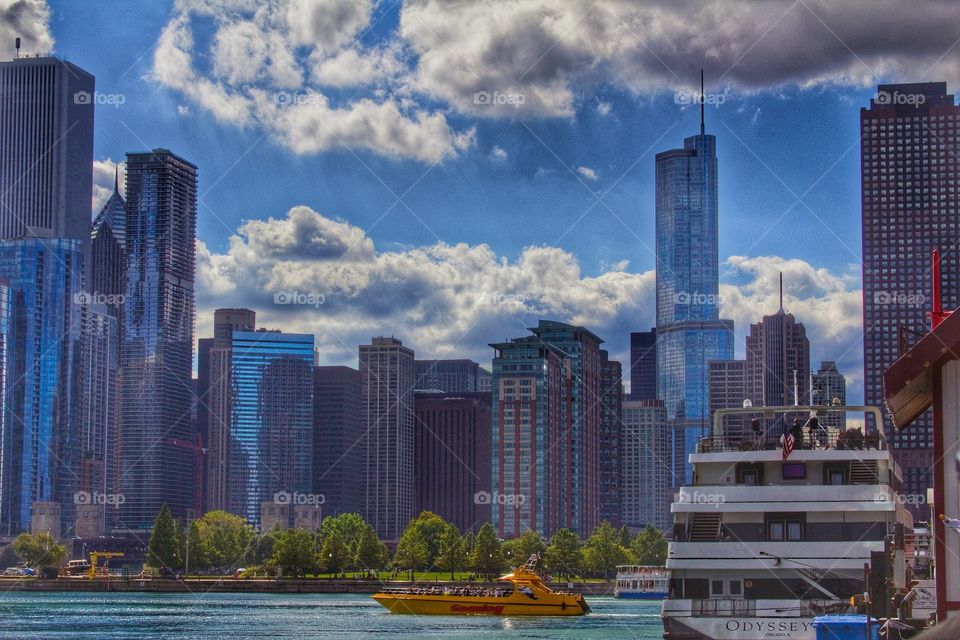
[96, 555]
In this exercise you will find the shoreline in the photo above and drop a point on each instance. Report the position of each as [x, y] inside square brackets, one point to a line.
[250, 585]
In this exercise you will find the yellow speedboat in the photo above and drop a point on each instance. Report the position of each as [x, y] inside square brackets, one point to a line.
[521, 593]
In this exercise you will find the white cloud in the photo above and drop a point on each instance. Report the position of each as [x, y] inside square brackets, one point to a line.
[498, 154]
[587, 173]
[103, 176]
[604, 108]
[28, 20]
[261, 56]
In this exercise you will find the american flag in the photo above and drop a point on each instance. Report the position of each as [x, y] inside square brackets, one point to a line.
[786, 441]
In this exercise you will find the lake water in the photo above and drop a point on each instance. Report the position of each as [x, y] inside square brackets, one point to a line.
[241, 616]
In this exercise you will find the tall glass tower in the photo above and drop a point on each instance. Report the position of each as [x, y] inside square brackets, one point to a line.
[156, 355]
[271, 430]
[689, 331]
[41, 326]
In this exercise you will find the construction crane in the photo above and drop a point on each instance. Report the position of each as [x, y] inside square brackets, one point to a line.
[199, 452]
[96, 555]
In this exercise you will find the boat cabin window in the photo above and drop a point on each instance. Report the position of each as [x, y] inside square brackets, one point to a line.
[726, 589]
[836, 474]
[783, 527]
[750, 474]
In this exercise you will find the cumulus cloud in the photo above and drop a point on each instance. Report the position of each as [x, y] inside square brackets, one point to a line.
[587, 173]
[452, 300]
[267, 61]
[498, 154]
[549, 51]
[28, 20]
[103, 176]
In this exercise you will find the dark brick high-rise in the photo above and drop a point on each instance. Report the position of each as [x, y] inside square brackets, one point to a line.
[611, 426]
[452, 456]
[909, 176]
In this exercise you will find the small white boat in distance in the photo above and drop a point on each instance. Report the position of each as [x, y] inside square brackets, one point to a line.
[641, 582]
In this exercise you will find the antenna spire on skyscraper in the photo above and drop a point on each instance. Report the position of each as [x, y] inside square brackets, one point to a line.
[781, 291]
[703, 99]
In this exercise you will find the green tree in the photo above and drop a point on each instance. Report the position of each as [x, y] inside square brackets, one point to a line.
[226, 539]
[163, 549]
[602, 551]
[453, 551]
[199, 557]
[334, 555]
[40, 550]
[294, 554]
[370, 554]
[8, 557]
[487, 555]
[261, 549]
[649, 547]
[625, 538]
[564, 555]
[524, 546]
[412, 553]
[431, 528]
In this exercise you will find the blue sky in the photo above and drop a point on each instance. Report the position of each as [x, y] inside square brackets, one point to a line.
[465, 213]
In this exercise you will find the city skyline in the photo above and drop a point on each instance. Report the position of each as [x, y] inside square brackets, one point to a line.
[813, 106]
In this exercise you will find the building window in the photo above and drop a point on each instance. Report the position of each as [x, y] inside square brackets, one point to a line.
[785, 527]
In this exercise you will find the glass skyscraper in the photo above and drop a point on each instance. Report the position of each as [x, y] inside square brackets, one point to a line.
[156, 355]
[689, 331]
[40, 324]
[271, 422]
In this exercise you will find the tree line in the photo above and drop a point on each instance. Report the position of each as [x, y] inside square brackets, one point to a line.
[346, 543]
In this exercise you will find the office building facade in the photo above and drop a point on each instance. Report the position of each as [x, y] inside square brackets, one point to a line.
[643, 365]
[338, 455]
[157, 465]
[449, 376]
[611, 404]
[910, 206]
[387, 380]
[645, 464]
[830, 385]
[452, 457]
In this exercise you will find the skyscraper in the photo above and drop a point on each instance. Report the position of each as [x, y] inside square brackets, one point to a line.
[529, 414]
[157, 350]
[828, 385]
[271, 421]
[40, 445]
[689, 331]
[338, 455]
[215, 397]
[107, 254]
[728, 383]
[547, 408]
[387, 378]
[452, 457]
[646, 463]
[611, 426]
[778, 361]
[450, 376]
[909, 175]
[643, 365]
[46, 149]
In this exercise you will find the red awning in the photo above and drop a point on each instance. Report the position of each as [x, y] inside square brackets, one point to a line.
[908, 383]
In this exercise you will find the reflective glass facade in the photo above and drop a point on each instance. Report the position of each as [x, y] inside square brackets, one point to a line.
[689, 331]
[271, 421]
[156, 355]
[41, 328]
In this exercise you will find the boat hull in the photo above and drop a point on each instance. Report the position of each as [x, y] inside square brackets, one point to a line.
[738, 628]
[466, 606]
[641, 595]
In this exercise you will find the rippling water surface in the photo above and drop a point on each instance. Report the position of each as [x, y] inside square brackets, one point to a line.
[241, 616]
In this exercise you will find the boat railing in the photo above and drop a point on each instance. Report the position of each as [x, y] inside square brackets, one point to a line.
[724, 607]
[821, 439]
